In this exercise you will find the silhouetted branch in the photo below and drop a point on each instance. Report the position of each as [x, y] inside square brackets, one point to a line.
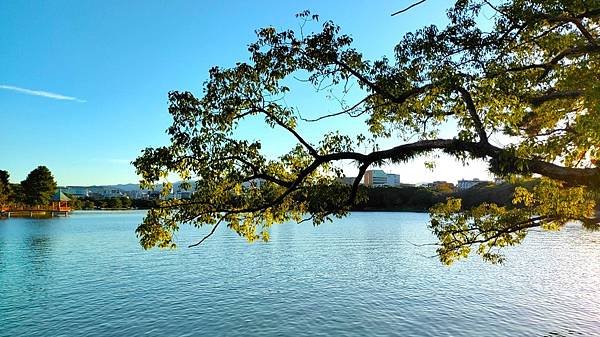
[585, 32]
[554, 95]
[345, 111]
[291, 130]
[466, 96]
[574, 176]
[409, 7]
[209, 234]
[356, 183]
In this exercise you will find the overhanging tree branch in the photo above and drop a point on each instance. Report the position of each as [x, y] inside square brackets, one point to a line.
[468, 99]
[507, 80]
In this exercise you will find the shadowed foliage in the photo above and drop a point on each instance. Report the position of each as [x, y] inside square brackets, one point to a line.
[4, 187]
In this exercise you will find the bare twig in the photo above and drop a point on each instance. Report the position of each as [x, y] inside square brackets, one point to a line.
[209, 234]
[409, 7]
[345, 111]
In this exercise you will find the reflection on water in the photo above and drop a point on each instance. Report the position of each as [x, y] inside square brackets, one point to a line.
[359, 276]
[39, 245]
[566, 334]
[39, 251]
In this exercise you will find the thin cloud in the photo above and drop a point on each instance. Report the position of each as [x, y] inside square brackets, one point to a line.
[41, 93]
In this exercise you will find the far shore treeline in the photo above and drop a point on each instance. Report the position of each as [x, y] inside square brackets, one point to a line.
[111, 203]
[39, 186]
[421, 199]
[401, 199]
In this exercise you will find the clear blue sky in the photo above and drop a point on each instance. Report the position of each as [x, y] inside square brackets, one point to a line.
[83, 84]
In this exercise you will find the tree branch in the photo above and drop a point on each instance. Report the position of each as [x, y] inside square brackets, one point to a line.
[345, 111]
[584, 31]
[309, 147]
[554, 95]
[409, 7]
[356, 183]
[209, 234]
[379, 90]
[548, 66]
[573, 176]
[468, 99]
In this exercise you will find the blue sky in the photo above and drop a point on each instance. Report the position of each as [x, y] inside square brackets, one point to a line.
[83, 84]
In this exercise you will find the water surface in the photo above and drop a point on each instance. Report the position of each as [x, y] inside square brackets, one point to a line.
[359, 276]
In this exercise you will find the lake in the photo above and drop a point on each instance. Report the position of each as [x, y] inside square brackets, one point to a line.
[359, 276]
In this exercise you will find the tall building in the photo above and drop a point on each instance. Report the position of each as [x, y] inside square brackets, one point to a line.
[393, 179]
[375, 178]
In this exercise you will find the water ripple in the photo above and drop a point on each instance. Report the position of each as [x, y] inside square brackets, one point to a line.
[359, 276]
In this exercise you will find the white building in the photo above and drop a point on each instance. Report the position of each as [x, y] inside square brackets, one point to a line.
[466, 184]
[79, 192]
[254, 183]
[113, 193]
[140, 194]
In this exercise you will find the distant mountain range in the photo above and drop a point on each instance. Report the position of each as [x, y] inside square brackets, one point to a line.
[122, 187]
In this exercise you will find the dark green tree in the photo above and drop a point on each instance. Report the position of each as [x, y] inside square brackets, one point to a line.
[88, 204]
[125, 202]
[115, 203]
[4, 177]
[38, 187]
[4, 187]
[529, 74]
[16, 194]
[75, 203]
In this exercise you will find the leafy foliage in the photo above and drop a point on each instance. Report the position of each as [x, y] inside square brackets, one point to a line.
[4, 187]
[531, 79]
[549, 205]
[39, 186]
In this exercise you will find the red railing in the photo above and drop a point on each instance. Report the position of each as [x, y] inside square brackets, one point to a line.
[49, 208]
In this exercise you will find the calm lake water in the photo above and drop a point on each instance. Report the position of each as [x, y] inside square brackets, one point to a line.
[359, 276]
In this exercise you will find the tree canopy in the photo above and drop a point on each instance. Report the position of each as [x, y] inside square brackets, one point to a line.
[4, 187]
[529, 76]
[38, 187]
